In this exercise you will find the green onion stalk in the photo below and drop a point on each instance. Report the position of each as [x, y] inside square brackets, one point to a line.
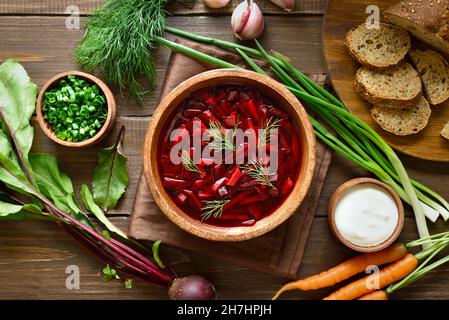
[120, 33]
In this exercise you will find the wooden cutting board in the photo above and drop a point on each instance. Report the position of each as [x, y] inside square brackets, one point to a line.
[340, 17]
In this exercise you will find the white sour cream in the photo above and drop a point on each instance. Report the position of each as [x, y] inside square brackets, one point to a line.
[366, 215]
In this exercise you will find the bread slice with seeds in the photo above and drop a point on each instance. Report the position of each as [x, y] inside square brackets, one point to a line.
[383, 47]
[396, 87]
[403, 122]
[434, 72]
[428, 20]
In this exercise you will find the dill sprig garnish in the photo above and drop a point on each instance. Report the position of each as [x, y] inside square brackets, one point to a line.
[188, 163]
[221, 140]
[265, 130]
[119, 39]
[213, 208]
[259, 173]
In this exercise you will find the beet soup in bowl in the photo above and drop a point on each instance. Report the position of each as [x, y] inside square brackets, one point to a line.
[229, 155]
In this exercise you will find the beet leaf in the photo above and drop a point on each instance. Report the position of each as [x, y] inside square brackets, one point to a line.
[110, 177]
[17, 100]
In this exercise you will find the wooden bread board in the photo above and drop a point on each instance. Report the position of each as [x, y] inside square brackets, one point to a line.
[341, 16]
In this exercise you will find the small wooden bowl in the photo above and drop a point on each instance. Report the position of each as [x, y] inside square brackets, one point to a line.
[105, 129]
[339, 193]
[273, 90]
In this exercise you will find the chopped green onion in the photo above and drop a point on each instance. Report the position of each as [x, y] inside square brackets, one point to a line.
[75, 109]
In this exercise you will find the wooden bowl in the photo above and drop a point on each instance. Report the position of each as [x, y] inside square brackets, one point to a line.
[339, 193]
[273, 90]
[105, 129]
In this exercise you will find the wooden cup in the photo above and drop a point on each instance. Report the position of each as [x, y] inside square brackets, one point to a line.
[107, 125]
[341, 191]
[273, 90]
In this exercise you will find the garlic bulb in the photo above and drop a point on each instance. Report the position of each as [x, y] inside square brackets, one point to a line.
[288, 5]
[216, 4]
[247, 21]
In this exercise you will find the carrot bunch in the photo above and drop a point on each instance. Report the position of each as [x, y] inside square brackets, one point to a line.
[403, 268]
[385, 277]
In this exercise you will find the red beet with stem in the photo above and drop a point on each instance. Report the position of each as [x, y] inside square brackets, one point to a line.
[130, 258]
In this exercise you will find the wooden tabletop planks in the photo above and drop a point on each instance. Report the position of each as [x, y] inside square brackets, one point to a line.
[176, 7]
[198, 7]
[18, 41]
[34, 255]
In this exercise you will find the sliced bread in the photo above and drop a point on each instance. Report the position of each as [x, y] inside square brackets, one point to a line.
[434, 72]
[445, 131]
[403, 122]
[425, 19]
[380, 48]
[396, 87]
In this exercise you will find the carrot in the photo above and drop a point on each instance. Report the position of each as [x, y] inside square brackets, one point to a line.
[376, 295]
[386, 276]
[346, 270]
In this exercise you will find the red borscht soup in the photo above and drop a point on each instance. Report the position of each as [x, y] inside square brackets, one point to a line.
[229, 156]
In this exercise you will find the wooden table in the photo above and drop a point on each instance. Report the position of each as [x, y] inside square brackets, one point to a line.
[34, 255]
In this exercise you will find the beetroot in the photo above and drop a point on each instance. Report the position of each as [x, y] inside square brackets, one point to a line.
[219, 170]
[176, 183]
[198, 184]
[181, 197]
[219, 183]
[288, 186]
[252, 109]
[235, 177]
[245, 199]
[192, 288]
[191, 112]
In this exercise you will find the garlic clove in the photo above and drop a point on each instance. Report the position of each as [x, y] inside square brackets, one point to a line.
[287, 5]
[216, 4]
[247, 21]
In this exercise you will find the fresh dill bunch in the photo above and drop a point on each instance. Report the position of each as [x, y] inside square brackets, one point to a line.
[213, 208]
[118, 41]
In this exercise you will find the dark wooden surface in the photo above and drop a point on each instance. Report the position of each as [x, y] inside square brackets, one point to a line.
[177, 7]
[34, 255]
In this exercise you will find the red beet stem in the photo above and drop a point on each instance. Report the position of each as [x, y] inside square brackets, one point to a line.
[91, 235]
[99, 237]
[103, 255]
